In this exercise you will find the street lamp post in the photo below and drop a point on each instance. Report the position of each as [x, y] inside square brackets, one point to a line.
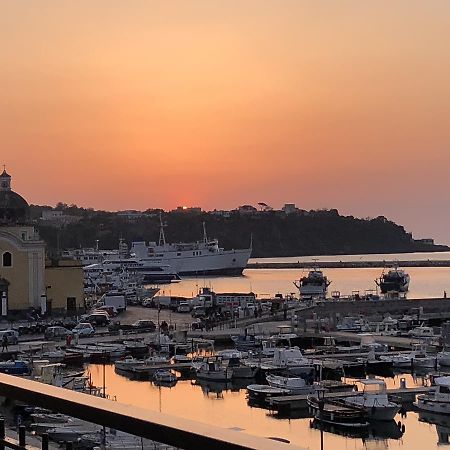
[321, 397]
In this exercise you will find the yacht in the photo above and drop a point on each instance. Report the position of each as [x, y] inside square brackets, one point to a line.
[149, 270]
[374, 400]
[315, 284]
[395, 280]
[195, 258]
[438, 400]
[212, 369]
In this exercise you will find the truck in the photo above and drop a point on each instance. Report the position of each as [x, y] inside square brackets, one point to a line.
[115, 299]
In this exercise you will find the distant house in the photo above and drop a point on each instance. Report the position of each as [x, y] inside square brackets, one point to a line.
[57, 218]
[131, 215]
[188, 209]
[220, 213]
[426, 241]
[247, 209]
[289, 208]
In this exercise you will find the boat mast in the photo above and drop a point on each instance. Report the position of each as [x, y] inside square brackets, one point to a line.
[205, 237]
[162, 237]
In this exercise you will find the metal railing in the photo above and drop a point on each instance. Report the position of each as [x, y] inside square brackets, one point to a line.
[175, 431]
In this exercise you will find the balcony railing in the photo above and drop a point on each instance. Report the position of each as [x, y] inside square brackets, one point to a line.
[178, 432]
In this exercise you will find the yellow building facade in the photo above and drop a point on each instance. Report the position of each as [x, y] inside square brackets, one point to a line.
[26, 283]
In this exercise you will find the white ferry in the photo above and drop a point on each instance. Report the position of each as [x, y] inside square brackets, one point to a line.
[194, 258]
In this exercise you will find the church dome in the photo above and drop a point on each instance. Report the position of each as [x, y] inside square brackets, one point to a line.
[14, 209]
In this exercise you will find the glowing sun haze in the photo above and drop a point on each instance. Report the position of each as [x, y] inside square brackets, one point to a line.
[140, 104]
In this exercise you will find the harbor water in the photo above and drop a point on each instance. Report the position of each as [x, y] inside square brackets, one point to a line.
[426, 282]
[226, 405]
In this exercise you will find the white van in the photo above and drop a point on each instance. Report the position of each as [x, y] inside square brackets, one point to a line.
[184, 307]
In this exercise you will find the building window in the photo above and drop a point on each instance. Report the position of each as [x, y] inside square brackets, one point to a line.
[71, 304]
[7, 259]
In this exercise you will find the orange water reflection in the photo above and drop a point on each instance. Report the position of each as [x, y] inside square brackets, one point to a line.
[229, 409]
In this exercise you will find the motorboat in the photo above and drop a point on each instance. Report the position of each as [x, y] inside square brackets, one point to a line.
[295, 385]
[212, 369]
[129, 362]
[204, 257]
[374, 400]
[165, 376]
[422, 332]
[239, 370]
[315, 284]
[444, 358]
[14, 367]
[292, 359]
[394, 280]
[438, 399]
[245, 342]
[416, 358]
[262, 393]
[338, 414]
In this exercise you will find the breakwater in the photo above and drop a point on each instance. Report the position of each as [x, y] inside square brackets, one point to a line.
[347, 264]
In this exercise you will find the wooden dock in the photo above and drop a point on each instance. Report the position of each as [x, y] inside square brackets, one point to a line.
[146, 372]
[293, 402]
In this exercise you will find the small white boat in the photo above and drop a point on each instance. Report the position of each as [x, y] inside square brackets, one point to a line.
[213, 370]
[261, 393]
[374, 400]
[443, 358]
[165, 376]
[295, 385]
[437, 400]
[130, 362]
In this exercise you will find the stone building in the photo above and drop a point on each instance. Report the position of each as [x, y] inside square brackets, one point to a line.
[23, 283]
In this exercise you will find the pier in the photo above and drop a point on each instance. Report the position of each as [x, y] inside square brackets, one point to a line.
[348, 264]
[293, 402]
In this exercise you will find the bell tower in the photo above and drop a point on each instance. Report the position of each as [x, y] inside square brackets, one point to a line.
[5, 181]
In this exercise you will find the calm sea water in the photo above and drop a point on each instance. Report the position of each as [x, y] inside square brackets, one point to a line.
[228, 408]
[425, 282]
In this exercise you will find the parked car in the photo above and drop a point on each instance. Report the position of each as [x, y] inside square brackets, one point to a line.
[198, 311]
[148, 303]
[184, 307]
[56, 333]
[144, 324]
[117, 326]
[98, 318]
[12, 335]
[111, 310]
[84, 329]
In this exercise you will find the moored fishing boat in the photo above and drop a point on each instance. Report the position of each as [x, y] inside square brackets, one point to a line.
[295, 385]
[437, 400]
[374, 400]
[336, 413]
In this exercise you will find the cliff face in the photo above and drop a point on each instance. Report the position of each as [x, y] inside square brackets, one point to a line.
[274, 234]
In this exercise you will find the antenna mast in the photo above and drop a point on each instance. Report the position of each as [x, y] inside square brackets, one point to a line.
[162, 237]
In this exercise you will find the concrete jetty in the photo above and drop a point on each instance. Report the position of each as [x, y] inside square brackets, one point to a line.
[348, 264]
[293, 402]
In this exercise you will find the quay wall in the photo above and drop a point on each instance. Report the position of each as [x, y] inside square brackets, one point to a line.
[429, 306]
[347, 264]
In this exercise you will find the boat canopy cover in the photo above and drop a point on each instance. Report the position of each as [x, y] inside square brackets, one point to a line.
[442, 381]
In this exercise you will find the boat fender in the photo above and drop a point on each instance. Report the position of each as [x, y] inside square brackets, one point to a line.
[355, 388]
[403, 429]
[310, 424]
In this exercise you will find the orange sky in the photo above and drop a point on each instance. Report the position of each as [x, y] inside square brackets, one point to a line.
[141, 104]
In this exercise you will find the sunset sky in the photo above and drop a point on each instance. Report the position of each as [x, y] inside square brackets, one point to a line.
[139, 104]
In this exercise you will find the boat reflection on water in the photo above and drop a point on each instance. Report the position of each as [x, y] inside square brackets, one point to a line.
[376, 430]
[442, 423]
[218, 387]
